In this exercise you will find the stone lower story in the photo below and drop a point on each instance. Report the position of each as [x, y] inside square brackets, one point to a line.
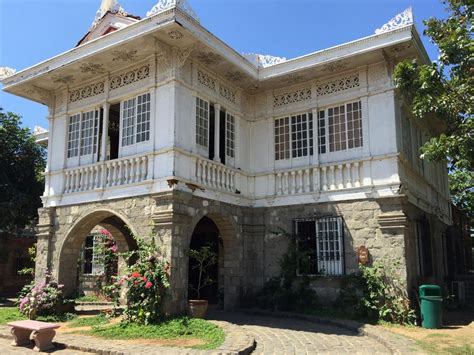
[251, 245]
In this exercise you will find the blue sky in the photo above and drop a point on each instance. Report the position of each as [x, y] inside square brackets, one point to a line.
[34, 30]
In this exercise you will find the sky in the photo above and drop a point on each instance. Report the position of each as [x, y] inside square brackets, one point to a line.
[34, 30]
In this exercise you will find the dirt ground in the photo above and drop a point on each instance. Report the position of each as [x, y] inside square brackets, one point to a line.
[456, 336]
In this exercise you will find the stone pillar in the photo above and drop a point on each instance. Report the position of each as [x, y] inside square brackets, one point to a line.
[105, 126]
[171, 222]
[45, 232]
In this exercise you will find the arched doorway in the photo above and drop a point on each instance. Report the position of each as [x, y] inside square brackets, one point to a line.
[206, 234]
[71, 253]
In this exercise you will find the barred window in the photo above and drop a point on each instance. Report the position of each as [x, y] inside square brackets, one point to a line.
[230, 135]
[90, 256]
[143, 118]
[73, 135]
[128, 122]
[344, 127]
[89, 125]
[282, 138]
[321, 240]
[202, 122]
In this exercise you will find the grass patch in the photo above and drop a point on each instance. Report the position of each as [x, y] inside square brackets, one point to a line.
[89, 298]
[175, 328]
[10, 314]
[88, 321]
[465, 349]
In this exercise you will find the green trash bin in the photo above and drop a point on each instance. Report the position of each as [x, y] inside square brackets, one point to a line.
[431, 310]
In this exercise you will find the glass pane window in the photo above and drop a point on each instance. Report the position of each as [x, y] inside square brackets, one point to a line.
[128, 122]
[354, 125]
[299, 136]
[322, 133]
[337, 128]
[73, 136]
[230, 135]
[143, 118]
[202, 122]
[341, 126]
[282, 138]
[320, 241]
[88, 132]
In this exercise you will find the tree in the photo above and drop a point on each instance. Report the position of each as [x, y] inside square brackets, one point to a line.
[22, 163]
[445, 90]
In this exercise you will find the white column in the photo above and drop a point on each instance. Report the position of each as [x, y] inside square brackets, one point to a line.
[105, 126]
[217, 119]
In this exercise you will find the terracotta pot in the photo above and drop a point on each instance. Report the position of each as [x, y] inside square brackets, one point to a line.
[197, 308]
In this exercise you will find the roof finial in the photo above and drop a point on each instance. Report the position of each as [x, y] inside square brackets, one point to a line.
[402, 19]
[107, 5]
[163, 5]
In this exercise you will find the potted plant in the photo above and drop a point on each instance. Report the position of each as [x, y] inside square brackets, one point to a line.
[204, 259]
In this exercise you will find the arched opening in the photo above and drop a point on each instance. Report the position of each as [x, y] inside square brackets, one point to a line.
[205, 234]
[75, 272]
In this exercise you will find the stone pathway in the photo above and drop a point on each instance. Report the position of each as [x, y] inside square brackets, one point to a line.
[296, 336]
[257, 332]
[7, 349]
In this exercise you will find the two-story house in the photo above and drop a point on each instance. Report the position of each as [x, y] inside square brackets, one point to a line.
[158, 128]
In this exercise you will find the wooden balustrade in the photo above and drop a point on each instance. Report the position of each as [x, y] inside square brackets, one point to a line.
[106, 174]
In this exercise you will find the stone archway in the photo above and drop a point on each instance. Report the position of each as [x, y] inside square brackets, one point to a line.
[229, 256]
[70, 250]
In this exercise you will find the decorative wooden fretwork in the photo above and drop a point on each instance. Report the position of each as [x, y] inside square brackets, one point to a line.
[86, 92]
[227, 93]
[337, 85]
[206, 80]
[130, 77]
[292, 97]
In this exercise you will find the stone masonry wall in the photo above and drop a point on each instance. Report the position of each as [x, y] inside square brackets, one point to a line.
[251, 248]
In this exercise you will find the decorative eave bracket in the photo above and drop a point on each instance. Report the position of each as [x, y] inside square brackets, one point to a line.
[402, 19]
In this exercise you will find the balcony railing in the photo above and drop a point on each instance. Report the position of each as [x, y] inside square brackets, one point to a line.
[331, 177]
[109, 173]
[215, 175]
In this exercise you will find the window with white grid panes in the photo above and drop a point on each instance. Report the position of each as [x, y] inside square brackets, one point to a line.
[282, 138]
[322, 132]
[128, 122]
[202, 122]
[89, 124]
[230, 135]
[341, 127]
[73, 135]
[143, 118]
[299, 136]
[354, 125]
[322, 241]
[337, 128]
[296, 132]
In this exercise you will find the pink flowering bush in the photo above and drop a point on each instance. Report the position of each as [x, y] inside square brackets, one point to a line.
[145, 283]
[40, 299]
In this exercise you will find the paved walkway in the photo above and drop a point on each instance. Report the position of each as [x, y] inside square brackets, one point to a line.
[273, 335]
[295, 336]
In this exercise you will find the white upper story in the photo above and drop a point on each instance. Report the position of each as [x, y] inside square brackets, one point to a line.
[144, 106]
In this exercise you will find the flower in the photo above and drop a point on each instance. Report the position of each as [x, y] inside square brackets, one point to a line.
[136, 274]
[148, 284]
[105, 232]
[114, 248]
